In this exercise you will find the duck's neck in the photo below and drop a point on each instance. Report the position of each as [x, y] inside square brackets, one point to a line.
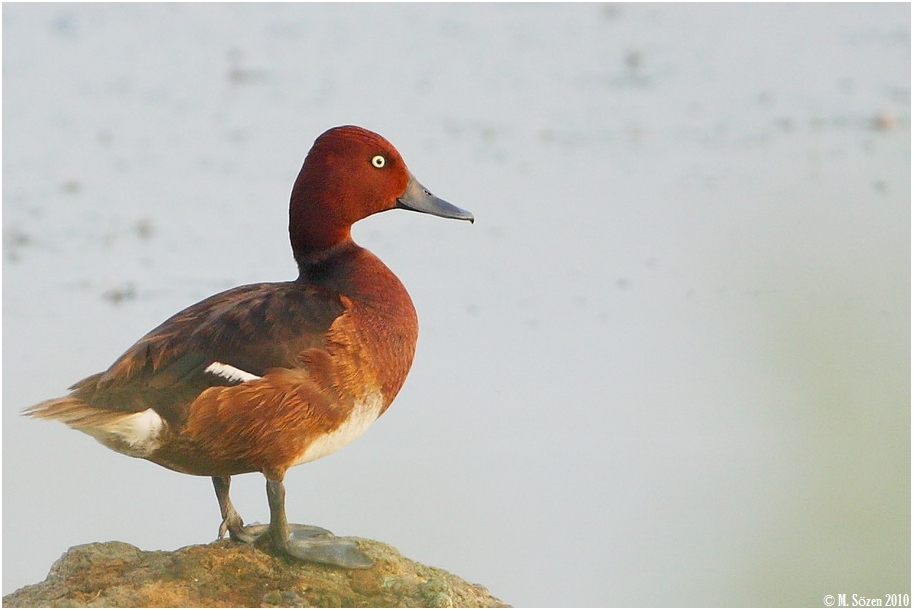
[313, 233]
[355, 273]
[316, 263]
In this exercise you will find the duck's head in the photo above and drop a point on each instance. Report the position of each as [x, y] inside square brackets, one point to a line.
[349, 174]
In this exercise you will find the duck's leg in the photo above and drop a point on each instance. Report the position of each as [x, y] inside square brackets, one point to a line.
[305, 542]
[232, 524]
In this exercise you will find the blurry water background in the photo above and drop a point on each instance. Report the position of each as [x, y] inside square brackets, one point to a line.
[668, 365]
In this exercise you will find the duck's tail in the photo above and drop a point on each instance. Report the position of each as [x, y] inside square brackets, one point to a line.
[128, 432]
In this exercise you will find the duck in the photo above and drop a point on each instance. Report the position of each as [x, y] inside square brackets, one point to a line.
[267, 376]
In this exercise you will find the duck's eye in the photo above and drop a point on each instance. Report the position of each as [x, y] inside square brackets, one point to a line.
[378, 161]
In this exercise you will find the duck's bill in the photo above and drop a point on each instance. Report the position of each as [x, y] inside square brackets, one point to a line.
[419, 199]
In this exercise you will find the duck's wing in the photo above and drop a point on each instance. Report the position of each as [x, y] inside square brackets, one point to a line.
[226, 339]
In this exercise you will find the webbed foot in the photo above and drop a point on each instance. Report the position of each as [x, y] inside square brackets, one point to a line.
[325, 548]
[311, 543]
[305, 542]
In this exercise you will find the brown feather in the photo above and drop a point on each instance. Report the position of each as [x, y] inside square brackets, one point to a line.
[74, 412]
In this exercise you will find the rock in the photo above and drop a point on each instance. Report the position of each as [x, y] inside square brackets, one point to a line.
[229, 574]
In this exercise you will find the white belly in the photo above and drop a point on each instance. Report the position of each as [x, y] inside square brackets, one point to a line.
[362, 416]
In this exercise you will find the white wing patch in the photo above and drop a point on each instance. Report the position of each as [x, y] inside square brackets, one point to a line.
[363, 415]
[229, 372]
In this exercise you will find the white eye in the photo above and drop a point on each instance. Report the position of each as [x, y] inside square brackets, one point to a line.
[378, 161]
